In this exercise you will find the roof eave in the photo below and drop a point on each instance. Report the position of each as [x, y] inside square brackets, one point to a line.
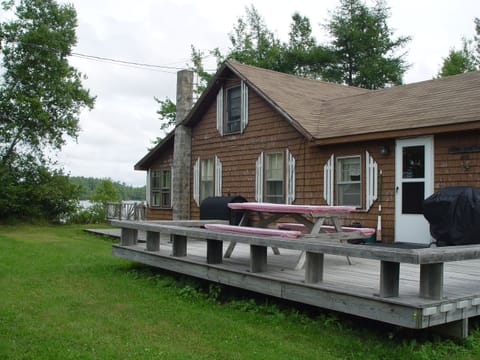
[143, 163]
[391, 134]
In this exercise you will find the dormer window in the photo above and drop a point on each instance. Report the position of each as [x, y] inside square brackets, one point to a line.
[232, 109]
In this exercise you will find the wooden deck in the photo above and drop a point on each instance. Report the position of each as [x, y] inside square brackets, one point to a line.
[351, 289]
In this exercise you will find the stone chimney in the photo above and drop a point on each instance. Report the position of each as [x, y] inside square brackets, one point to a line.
[182, 151]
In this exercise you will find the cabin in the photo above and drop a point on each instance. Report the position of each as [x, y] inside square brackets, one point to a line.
[278, 138]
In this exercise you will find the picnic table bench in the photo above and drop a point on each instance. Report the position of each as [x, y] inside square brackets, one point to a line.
[430, 260]
[325, 228]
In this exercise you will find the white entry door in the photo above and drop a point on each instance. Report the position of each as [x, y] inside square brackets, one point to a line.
[413, 184]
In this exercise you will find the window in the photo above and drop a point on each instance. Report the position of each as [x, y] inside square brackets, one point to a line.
[160, 188]
[343, 183]
[275, 177]
[233, 115]
[349, 181]
[232, 109]
[207, 178]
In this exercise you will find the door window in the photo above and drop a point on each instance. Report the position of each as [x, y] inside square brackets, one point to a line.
[413, 184]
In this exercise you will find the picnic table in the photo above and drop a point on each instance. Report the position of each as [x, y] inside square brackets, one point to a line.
[311, 217]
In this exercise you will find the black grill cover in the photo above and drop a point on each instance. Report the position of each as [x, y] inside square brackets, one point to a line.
[216, 208]
[454, 215]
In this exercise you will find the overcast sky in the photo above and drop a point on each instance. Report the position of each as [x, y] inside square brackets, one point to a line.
[116, 134]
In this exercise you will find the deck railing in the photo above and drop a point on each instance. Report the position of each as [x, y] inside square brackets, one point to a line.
[125, 211]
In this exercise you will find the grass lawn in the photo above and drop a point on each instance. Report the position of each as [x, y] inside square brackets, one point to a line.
[64, 296]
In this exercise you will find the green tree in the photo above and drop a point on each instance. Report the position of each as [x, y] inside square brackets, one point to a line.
[41, 95]
[87, 187]
[459, 61]
[464, 60]
[38, 193]
[302, 56]
[203, 76]
[477, 38]
[363, 47]
[253, 43]
[104, 192]
[166, 115]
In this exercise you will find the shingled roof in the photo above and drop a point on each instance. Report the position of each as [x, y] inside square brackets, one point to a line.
[436, 103]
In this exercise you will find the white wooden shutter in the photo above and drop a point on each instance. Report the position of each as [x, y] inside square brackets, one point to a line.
[259, 179]
[290, 178]
[171, 187]
[371, 183]
[218, 176]
[328, 180]
[148, 186]
[243, 106]
[220, 111]
[196, 182]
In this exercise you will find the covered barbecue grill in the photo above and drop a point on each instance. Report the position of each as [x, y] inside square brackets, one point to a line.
[216, 208]
[454, 215]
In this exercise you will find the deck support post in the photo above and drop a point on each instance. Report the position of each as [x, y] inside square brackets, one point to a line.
[258, 258]
[214, 251]
[128, 237]
[179, 246]
[313, 267]
[153, 241]
[431, 281]
[389, 279]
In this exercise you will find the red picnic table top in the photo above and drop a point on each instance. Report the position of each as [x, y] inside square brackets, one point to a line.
[290, 209]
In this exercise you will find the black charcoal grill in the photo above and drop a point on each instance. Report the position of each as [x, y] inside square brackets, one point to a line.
[216, 208]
